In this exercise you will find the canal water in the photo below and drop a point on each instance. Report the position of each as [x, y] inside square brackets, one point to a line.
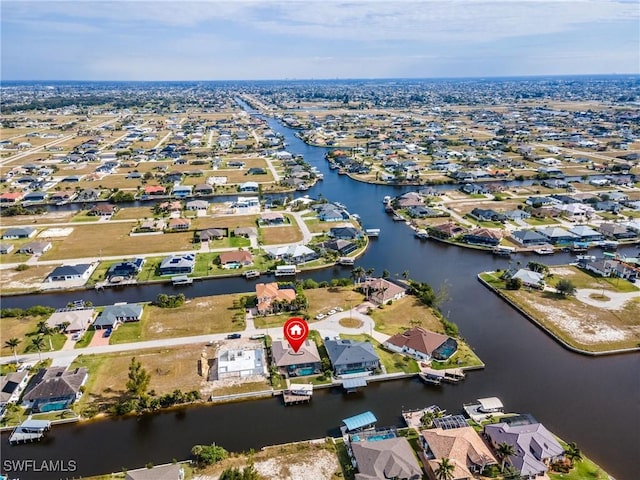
[592, 401]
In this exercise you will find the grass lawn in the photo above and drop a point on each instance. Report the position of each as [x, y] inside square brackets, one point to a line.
[225, 221]
[85, 340]
[316, 226]
[272, 321]
[322, 300]
[100, 273]
[133, 213]
[105, 239]
[23, 328]
[169, 368]
[241, 388]
[583, 279]
[284, 234]
[393, 362]
[405, 313]
[584, 469]
[82, 216]
[150, 269]
[464, 357]
[205, 264]
[541, 221]
[126, 333]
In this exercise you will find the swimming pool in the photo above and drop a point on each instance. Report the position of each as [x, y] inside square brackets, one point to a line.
[305, 371]
[373, 438]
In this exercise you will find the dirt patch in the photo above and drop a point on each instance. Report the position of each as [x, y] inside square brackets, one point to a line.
[320, 466]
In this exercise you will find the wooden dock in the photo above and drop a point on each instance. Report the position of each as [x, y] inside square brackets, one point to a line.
[298, 393]
[29, 431]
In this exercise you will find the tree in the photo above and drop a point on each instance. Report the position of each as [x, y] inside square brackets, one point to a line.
[565, 287]
[514, 284]
[13, 343]
[139, 378]
[405, 274]
[357, 274]
[385, 273]
[208, 454]
[44, 329]
[505, 450]
[445, 469]
[38, 344]
[572, 452]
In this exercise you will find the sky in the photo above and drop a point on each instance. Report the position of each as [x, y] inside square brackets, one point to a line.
[308, 39]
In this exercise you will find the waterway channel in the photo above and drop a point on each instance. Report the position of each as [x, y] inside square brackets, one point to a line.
[592, 401]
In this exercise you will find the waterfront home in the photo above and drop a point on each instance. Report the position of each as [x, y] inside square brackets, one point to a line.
[292, 254]
[11, 386]
[197, 205]
[247, 202]
[203, 189]
[19, 232]
[330, 213]
[54, 388]
[422, 344]
[35, 197]
[172, 471]
[102, 210]
[529, 278]
[616, 231]
[462, 446]
[351, 356]
[126, 269]
[182, 191]
[446, 230]
[482, 236]
[35, 248]
[249, 187]
[528, 238]
[586, 233]
[113, 315]
[343, 247]
[557, 235]
[386, 458]
[237, 259]
[63, 197]
[534, 446]
[70, 272]
[345, 233]
[177, 264]
[268, 294]
[306, 361]
[10, 197]
[74, 321]
[89, 195]
[210, 234]
[154, 190]
[381, 291]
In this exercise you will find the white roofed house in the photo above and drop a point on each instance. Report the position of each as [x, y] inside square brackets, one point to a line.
[292, 254]
[72, 320]
[530, 278]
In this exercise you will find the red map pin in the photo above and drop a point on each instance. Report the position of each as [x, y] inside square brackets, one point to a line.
[296, 331]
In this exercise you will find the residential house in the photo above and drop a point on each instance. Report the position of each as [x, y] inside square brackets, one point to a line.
[35, 197]
[351, 356]
[155, 190]
[89, 195]
[10, 197]
[173, 471]
[246, 232]
[249, 187]
[211, 234]
[179, 224]
[487, 215]
[182, 191]
[19, 232]
[54, 388]
[557, 235]
[126, 269]
[63, 197]
[446, 230]
[197, 205]
[528, 238]
[381, 291]
[268, 293]
[421, 344]
[305, 361]
[203, 189]
[464, 448]
[247, 202]
[70, 272]
[345, 233]
[177, 264]
[237, 259]
[272, 218]
[152, 225]
[11, 386]
[292, 254]
[534, 446]
[482, 236]
[529, 278]
[330, 213]
[35, 248]
[391, 458]
[586, 234]
[6, 248]
[75, 320]
[616, 231]
[103, 210]
[342, 247]
[114, 315]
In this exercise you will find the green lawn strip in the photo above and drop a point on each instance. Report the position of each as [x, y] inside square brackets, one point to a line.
[272, 321]
[541, 221]
[584, 469]
[344, 459]
[464, 357]
[585, 279]
[393, 362]
[83, 217]
[149, 269]
[86, 339]
[92, 363]
[100, 273]
[205, 264]
[14, 416]
[126, 333]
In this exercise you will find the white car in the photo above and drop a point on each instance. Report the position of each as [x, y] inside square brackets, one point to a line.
[320, 316]
[331, 312]
[339, 309]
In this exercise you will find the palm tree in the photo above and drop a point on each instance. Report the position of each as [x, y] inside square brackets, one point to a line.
[13, 343]
[38, 344]
[505, 450]
[357, 273]
[572, 452]
[44, 329]
[445, 469]
[405, 274]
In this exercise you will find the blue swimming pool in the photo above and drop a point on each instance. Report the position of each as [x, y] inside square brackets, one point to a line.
[373, 438]
[305, 371]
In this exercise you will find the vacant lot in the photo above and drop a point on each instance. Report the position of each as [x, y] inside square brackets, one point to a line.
[322, 300]
[583, 326]
[405, 313]
[225, 221]
[170, 368]
[51, 217]
[13, 281]
[107, 239]
[133, 213]
[278, 235]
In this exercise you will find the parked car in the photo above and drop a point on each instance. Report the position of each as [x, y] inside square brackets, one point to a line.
[107, 333]
[232, 336]
[76, 337]
[320, 316]
[331, 312]
[257, 336]
[339, 309]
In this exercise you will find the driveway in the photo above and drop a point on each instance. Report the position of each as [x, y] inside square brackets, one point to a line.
[616, 301]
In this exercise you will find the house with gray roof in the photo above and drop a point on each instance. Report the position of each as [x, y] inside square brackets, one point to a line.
[177, 264]
[534, 446]
[557, 235]
[173, 471]
[70, 272]
[530, 278]
[616, 231]
[383, 459]
[19, 232]
[54, 388]
[11, 386]
[529, 238]
[114, 315]
[586, 233]
[351, 356]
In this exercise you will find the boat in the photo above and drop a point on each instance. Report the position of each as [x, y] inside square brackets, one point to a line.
[386, 199]
[503, 251]
[483, 408]
[251, 274]
[609, 245]
[181, 280]
[422, 234]
[586, 258]
[286, 270]
[346, 261]
[431, 378]
[340, 205]
[397, 218]
[372, 232]
[544, 251]
[388, 208]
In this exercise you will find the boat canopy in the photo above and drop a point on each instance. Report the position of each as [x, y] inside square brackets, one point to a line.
[490, 404]
[360, 421]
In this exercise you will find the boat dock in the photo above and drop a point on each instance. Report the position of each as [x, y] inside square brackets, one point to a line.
[298, 393]
[251, 274]
[346, 261]
[484, 408]
[422, 234]
[413, 417]
[29, 431]
[181, 280]
[436, 377]
[372, 232]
